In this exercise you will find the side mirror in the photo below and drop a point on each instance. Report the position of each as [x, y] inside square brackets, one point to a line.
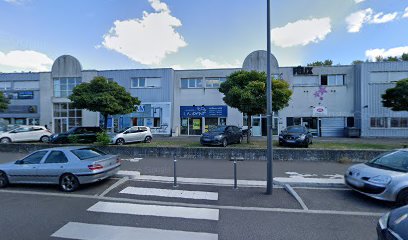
[126, 132]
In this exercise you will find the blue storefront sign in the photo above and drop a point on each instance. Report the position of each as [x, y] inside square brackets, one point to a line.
[203, 111]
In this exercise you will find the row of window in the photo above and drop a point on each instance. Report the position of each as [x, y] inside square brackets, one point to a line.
[323, 80]
[393, 122]
[208, 82]
[63, 86]
[20, 85]
[19, 95]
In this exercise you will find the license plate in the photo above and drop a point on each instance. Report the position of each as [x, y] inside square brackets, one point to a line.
[355, 182]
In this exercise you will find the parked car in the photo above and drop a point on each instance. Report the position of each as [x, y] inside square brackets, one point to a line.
[295, 136]
[26, 134]
[80, 134]
[133, 134]
[245, 131]
[66, 166]
[385, 177]
[393, 225]
[222, 135]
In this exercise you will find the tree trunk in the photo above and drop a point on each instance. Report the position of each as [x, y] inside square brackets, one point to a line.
[105, 122]
[249, 128]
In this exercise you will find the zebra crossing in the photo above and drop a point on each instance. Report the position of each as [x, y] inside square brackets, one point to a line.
[166, 213]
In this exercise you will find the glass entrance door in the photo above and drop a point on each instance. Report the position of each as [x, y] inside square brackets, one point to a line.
[256, 126]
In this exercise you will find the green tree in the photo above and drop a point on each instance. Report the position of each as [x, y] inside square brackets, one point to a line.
[391, 59]
[404, 57]
[396, 98]
[326, 62]
[106, 97]
[355, 62]
[3, 102]
[246, 91]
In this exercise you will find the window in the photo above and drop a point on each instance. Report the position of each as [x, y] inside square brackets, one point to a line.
[19, 95]
[214, 82]
[378, 122]
[143, 82]
[21, 130]
[63, 86]
[306, 81]
[332, 80]
[156, 122]
[56, 157]
[66, 117]
[191, 83]
[26, 85]
[86, 153]
[5, 85]
[34, 158]
[399, 122]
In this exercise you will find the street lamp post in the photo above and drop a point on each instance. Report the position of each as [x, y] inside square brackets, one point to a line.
[269, 155]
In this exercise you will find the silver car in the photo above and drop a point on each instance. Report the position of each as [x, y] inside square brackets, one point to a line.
[133, 134]
[67, 166]
[384, 178]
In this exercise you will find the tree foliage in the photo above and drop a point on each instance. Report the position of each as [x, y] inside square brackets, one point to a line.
[106, 97]
[246, 91]
[396, 98]
[3, 102]
[326, 62]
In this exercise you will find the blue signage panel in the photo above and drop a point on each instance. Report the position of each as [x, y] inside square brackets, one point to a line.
[203, 111]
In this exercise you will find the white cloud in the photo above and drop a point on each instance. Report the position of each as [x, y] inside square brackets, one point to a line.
[15, 1]
[302, 32]
[148, 40]
[359, 1]
[405, 13]
[356, 20]
[371, 54]
[210, 64]
[26, 60]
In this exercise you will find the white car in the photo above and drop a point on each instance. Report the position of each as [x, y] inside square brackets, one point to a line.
[26, 134]
[133, 134]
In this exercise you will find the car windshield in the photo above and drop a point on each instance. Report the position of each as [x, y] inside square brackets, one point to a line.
[218, 129]
[397, 161]
[294, 130]
[86, 153]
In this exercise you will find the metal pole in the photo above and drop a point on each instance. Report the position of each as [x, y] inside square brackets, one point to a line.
[235, 175]
[175, 172]
[269, 104]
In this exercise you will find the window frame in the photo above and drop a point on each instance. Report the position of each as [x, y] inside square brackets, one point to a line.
[218, 79]
[147, 82]
[196, 81]
[45, 161]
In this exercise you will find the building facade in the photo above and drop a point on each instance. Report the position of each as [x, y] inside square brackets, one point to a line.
[326, 99]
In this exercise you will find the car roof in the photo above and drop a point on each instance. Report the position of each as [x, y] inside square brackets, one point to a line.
[67, 148]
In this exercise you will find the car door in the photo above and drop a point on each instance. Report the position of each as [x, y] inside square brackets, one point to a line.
[20, 134]
[54, 165]
[133, 134]
[80, 134]
[25, 170]
[35, 133]
[229, 134]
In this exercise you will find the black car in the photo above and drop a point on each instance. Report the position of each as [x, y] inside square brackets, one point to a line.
[79, 134]
[393, 225]
[295, 136]
[222, 135]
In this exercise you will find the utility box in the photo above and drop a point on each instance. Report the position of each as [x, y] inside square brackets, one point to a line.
[352, 132]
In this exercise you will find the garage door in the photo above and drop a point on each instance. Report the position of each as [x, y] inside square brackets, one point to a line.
[332, 127]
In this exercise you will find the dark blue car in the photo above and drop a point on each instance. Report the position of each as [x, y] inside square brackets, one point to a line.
[394, 225]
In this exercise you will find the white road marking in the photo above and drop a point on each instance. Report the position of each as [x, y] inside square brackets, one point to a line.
[131, 159]
[85, 231]
[171, 193]
[156, 210]
[296, 196]
[117, 184]
[194, 205]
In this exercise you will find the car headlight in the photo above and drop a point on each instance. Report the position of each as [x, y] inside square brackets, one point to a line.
[54, 136]
[302, 137]
[382, 179]
[383, 222]
[218, 137]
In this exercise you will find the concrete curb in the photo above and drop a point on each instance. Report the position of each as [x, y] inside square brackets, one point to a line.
[280, 182]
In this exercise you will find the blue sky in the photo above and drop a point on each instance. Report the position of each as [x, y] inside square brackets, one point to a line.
[185, 34]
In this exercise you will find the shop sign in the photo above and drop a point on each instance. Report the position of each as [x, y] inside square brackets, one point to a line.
[320, 111]
[196, 124]
[203, 111]
[302, 70]
[144, 110]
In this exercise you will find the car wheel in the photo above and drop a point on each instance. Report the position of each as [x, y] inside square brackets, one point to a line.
[240, 140]
[69, 183]
[120, 141]
[44, 139]
[148, 139]
[3, 180]
[224, 142]
[5, 140]
[402, 198]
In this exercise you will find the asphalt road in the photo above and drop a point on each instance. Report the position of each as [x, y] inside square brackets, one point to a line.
[126, 209]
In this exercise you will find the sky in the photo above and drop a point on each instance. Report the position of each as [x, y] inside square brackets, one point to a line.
[196, 34]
